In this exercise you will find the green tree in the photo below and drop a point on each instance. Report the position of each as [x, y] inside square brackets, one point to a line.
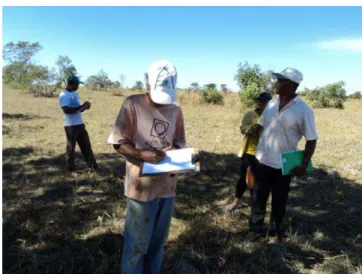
[116, 84]
[249, 94]
[20, 69]
[211, 86]
[44, 83]
[194, 86]
[21, 52]
[251, 79]
[138, 86]
[356, 95]
[99, 82]
[224, 88]
[65, 69]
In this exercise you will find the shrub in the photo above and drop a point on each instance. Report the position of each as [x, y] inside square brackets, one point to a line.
[356, 95]
[117, 92]
[183, 98]
[43, 90]
[138, 86]
[330, 96]
[211, 96]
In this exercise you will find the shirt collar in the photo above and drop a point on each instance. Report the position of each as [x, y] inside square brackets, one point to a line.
[296, 99]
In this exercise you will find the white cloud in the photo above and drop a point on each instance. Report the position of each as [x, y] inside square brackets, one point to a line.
[342, 44]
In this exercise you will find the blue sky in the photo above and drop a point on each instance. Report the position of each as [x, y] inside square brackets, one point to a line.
[205, 43]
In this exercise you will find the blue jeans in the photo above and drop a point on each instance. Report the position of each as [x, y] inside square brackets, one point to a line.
[146, 231]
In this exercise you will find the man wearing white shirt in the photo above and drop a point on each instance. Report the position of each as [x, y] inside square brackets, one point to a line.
[74, 127]
[284, 122]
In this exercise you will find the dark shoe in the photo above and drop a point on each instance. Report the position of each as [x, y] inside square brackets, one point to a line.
[101, 170]
[253, 236]
[275, 230]
[71, 169]
[281, 236]
[272, 232]
[93, 167]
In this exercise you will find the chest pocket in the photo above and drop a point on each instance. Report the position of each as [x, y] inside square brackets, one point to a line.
[270, 117]
[288, 122]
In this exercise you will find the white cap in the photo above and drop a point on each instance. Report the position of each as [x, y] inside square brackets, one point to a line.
[291, 74]
[162, 77]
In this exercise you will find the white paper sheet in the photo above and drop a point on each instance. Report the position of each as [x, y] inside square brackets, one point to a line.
[175, 161]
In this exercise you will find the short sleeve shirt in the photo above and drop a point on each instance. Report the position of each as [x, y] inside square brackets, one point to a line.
[147, 127]
[284, 129]
[71, 99]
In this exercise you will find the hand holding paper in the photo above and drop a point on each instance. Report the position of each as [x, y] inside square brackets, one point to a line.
[176, 161]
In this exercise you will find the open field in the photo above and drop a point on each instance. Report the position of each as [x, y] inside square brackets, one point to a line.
[56, 223]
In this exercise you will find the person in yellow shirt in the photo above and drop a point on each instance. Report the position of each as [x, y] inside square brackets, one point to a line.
[249, 128]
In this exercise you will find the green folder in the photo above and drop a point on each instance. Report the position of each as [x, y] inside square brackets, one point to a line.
[290, 160]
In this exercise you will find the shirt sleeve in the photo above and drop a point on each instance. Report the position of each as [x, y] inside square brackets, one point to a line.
[261, 120]
[248, 122]
[123, 128]
[308, 126]
[180, 140]
[64, 101]
[78, 100]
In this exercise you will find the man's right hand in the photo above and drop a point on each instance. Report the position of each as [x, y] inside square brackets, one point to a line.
[152, 157]
[254, 130]
[86, 105]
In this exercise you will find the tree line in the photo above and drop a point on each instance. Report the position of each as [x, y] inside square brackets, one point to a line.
[22, 72]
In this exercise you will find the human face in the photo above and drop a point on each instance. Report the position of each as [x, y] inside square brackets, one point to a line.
[283, 86]
[261, 104]
[74, 86]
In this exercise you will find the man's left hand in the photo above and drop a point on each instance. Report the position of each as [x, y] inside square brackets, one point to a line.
[254, 130]
[167, 148]
[300, 170]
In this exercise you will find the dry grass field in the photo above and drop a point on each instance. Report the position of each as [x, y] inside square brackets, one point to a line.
[57, 223]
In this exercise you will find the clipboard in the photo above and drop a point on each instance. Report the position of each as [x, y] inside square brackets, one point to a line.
[177, 161]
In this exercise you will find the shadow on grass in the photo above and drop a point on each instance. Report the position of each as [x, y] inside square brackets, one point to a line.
[21, 152]
[20, 116]
[55, 223]
[6, 130]
[322, 220]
